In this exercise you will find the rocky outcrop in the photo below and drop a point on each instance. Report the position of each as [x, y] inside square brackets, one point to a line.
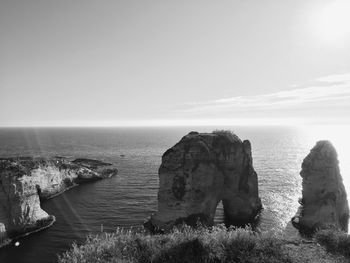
[324, 202]
[25, 181]
[200, 171]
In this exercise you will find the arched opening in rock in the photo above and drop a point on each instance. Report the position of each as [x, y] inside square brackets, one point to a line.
[38, 189]
[219, 214]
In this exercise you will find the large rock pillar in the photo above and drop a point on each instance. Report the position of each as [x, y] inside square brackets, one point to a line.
[200, 171]
[324, 202]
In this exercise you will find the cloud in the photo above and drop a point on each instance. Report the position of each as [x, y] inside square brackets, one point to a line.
[336, 78]
[326, 91]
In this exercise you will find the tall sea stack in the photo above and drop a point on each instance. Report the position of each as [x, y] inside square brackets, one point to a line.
[324, 203]
[200, 171]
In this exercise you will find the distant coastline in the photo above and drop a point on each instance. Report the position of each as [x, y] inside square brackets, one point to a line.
[26, 181]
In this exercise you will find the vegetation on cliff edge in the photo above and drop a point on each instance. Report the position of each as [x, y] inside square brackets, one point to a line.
[184, 244]
[336, 242]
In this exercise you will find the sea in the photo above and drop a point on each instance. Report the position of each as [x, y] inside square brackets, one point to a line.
[127, 200]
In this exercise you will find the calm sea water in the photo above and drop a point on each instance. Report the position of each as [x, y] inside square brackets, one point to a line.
[128, 199]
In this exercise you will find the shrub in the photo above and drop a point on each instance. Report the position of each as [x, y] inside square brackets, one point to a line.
[334, 241]
[223, 132]
[184, 244]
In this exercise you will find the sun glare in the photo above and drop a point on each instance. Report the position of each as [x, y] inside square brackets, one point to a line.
[331, 22]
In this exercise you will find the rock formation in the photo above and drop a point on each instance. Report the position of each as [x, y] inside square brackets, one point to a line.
[200, 171]
[25, 181]
[324, 203]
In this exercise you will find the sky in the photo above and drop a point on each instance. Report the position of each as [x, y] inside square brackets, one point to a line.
[145, 63]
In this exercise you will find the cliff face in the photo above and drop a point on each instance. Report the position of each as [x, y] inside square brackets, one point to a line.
[324, 202]
[26, 181]
[200, 171]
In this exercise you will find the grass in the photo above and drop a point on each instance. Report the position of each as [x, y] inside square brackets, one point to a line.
[223, 132]
[184, 244]
[334, 241]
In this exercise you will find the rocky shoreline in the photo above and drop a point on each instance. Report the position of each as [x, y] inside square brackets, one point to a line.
[39, 225]
[27, 181]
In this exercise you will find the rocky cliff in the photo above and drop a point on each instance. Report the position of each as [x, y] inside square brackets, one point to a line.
[199, 172]
[25, 181]
[324, 202]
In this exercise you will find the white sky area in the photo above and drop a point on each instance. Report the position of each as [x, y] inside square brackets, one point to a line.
[146, 63]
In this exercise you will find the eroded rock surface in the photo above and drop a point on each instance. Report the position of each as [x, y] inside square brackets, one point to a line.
[200, 171]
[25, 181]
[324, 201]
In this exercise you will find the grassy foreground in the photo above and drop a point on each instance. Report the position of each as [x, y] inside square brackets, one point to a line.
[185, 244]
[335, 242]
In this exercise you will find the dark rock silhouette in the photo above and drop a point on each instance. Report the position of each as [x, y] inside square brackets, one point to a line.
[324, 202]
[25, 181]
[200, 171]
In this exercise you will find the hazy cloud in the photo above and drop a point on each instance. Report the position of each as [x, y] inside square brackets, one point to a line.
[328, 89]
[336, 78]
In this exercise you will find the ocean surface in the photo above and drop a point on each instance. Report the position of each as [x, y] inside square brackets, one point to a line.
[129, 198]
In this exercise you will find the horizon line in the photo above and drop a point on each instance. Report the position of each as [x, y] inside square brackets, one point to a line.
[185, 123]
[174, 126]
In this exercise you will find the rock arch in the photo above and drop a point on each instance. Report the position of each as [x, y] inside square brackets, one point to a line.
[200, 171]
